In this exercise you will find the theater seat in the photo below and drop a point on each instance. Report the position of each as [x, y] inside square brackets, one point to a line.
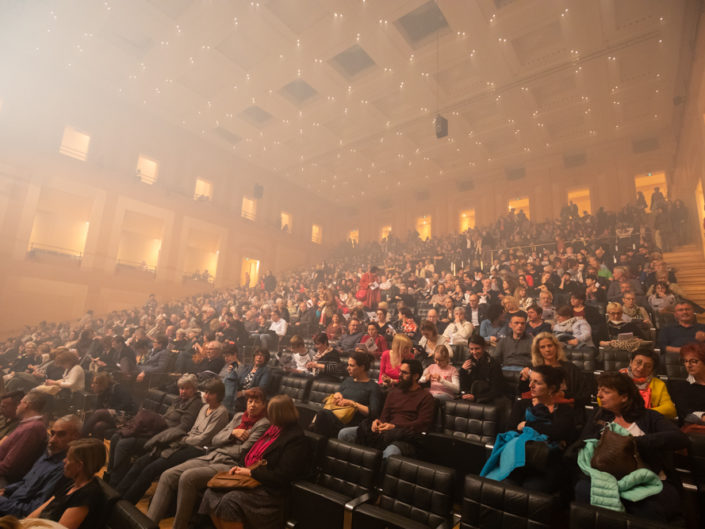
[415, 495]
[470, 420]
[319, 391]
[614, 359]
[346, 479]
[589, 517]
[583, 359]
[121, 514]
[672, 366]
[298, 388]
[489, 504]
[153, 400]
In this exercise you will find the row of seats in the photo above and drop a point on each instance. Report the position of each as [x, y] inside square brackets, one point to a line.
[419, 495]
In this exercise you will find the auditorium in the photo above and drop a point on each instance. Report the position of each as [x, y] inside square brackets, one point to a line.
[352, 264]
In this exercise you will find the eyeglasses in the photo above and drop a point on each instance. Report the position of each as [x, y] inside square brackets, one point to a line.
[691, 362]
[404, 372]
[57, 433]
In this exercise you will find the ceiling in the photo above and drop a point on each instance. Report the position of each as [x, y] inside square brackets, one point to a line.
[339, 96]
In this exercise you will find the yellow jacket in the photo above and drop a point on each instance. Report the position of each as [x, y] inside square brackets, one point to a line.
[661, 400]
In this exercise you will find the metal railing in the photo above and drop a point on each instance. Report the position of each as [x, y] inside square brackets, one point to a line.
[48, 249]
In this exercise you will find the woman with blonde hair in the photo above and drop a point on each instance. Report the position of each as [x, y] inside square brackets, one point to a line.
[547, 350]
[391, 360]
[444, 378]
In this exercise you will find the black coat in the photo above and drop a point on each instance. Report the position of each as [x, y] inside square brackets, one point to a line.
[289, 458]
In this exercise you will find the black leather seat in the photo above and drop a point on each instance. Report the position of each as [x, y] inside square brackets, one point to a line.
[320, 389]
[585, 360]
[589, 517]
[614, 359]
[121, 514]
[415, 495]
[153, 400]
[470, 420]
[489, 504]
[298, 388]
[346, 479]
[672, 366]
[169, 400]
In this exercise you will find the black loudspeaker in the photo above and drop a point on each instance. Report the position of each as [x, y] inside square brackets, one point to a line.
[441, 126]
[258, 191]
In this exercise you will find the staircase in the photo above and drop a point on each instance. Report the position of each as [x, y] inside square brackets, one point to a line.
[689, 264]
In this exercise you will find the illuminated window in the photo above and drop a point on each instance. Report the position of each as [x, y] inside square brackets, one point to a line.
[204, 190]
[647, 184]
[147, 170]
[285, 222]
[581, 198]
[249, 209]
[520, 204]
[467, 220]
[354, 236]
[75, 144]
[423, 227]
[386, 232]
[316, 234]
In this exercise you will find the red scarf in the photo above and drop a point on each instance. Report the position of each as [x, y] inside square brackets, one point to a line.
[258, 449]
[248, 422]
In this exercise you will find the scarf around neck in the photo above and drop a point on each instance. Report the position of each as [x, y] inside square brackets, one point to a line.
[248, 422]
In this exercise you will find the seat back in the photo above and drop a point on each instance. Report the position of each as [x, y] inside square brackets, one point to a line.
[298, 388]
[374, 370]
[320, 389]
[470, 420]
[615, 359]
[349, 469]
[584, 359]
[153, 400]
[417, 490]
[584, 516]
[489, 504]
[672, 366]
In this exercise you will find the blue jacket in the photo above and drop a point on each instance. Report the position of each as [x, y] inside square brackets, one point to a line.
[235, 380]
[37, 486]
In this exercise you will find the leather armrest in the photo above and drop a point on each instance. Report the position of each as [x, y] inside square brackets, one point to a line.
[352, 504]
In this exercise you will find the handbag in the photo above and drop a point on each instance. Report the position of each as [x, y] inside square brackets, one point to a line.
[344, 414]
[616, 454]
[227, 481]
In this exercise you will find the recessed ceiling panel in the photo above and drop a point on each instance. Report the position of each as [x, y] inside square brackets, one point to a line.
[256, 115]
[298, 91]
[421, 23]
[352, 61]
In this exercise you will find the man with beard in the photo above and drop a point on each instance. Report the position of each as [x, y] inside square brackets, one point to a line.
[47, 473]
[407, 413]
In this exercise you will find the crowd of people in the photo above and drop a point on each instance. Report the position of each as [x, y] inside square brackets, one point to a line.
[492, 316]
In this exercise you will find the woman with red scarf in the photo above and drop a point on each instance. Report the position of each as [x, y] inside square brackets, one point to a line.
[287, 454]
[188, 480]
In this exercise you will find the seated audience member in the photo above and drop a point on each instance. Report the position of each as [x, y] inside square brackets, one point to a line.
[511, 308]
[111, 399]
[349, 341]
[545, 423]
[408, 411]
[656, 438]
[279, 326]
[156, 361]
[25, 444]
[230, 358]
[652, 389]
[523, 300]
[546, 304]
[392, 359]
[326, 362]
[407, 324]
[459, 330]
[287, 452]
[690, 395]
[615, 290]
[430, 339]
[188, 480]
[662, 303]
[685, 330]
[129, 441]
[535, 324]
[80, 504]
[492, 329]
[383, 326]
[476, 312]
[45, 368]
[358, 391]
[252, 376]
[336, 328]
[8, 412]
[122, 358]
[45, 476]
[634, 312]
[442, 376]
[480, 376]
[587, 312]
[74, 378]
[171, 447]
[514, 351]
[572, 330]
[617, 325]
[373, 341]
[547, 350]
[211, 359]
[299, 357]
